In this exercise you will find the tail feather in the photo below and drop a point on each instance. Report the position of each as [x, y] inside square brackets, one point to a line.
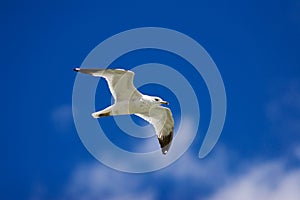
[100, 114]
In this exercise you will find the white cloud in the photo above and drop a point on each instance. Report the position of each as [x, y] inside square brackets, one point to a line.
[210, 171]
[94, 181]
[262, 181]
[259, 180]
[219, 176]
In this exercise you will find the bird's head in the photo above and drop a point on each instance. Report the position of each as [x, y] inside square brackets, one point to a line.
[159, 101]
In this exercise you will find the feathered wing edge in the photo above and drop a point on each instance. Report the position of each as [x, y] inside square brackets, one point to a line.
[117, 79]
[163, 123]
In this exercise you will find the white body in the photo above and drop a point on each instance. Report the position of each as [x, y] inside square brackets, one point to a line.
[128, 100]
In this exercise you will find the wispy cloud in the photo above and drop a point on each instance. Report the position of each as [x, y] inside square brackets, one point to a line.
[39, 192]
[218, 176]
[262, 181]
[283, 111]
[297, 152]
[61, 117]
[94, 181]
[190, 168]
[286, 101]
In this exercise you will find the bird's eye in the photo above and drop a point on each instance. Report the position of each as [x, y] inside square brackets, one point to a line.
[156, 99]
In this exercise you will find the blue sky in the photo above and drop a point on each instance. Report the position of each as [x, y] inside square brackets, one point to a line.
[256, 48]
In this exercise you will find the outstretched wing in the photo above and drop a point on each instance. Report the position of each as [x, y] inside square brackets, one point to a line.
[120, 82]
[163, 122]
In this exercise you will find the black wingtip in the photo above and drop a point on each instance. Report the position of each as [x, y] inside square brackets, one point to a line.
[165, 143]
[164, 152]
[165, 149]
[76, 69]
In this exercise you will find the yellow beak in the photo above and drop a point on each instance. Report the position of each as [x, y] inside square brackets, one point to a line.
[164, 102]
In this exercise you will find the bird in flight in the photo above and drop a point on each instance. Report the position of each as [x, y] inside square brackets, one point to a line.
[128, 100]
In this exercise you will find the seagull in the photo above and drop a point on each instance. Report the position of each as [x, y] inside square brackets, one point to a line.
[128, 100]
